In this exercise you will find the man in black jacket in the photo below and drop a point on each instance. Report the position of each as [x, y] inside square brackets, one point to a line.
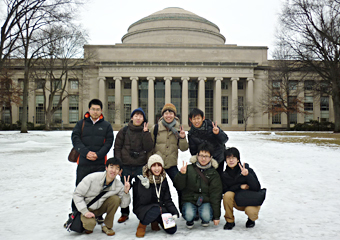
[203, 130]
[92, 137]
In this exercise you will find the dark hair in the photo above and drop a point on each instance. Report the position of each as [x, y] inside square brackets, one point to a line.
[114, 161]
[207, 147]
[232, 152]
[195, 112]
[96, 102]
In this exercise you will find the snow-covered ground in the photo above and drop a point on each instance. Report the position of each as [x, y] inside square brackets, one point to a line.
[302, 181]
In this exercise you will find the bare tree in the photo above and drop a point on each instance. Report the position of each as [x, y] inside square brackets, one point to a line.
[244, 111]
[311, 28]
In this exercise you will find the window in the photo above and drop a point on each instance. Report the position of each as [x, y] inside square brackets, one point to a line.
[239, 85]
[127, 84]
[21, 83]
[127, 108]
[225, 109]
[39, 109]
[192, 95]
[240, 110]
[276, 84]
[74, 84]
[276, 119]
[308, 85]
[224, 84]
[73, 113]
[57, 116]
[143, 95]
[308, 104]
[111, 84]
[159, 98]
[40, 83]
[292, 85]
[293, 118]
[111, 108]
[176, 96]
[56, 84]
[209, 100]
[324, 109]
[6, 115]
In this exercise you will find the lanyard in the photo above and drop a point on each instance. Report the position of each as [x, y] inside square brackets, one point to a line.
[158, 191]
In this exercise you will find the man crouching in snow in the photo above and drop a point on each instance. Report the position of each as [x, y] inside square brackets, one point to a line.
[117, 195]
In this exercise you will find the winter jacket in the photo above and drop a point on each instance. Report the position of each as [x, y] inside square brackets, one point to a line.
[191, 183]
[232, 179]
[198, 136]
[96, 137]
[91, 186]
[132, 145]
[146, 198]
[167, 144]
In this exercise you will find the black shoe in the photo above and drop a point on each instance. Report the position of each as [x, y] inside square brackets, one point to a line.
[250, 223]
[229, 226]
[190, 224]
[100, 220]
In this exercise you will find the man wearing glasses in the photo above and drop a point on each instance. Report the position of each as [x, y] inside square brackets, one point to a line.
[201, 188]
[92, 137]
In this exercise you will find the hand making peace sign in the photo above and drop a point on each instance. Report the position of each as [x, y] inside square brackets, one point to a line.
[146, 125]
[181, 132]
[184, 168]
[126, 184]
[244, 171]
[216, 130]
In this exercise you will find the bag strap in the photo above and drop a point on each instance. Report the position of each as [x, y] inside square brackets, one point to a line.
[155, 132]
[202, 175]
[82, 128]
[96, 198]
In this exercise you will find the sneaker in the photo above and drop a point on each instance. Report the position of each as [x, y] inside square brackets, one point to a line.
[108, 231]
[250, 223]
[123, 218]
[100, 219]
[229, 226]
[205, 224]
[190, 224]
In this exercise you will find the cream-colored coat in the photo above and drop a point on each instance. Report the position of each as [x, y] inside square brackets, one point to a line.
[91, 186]
[167, 144]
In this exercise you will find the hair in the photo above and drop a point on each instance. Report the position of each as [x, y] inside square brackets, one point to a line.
[207, 147]
[195, 112]
[232, 152]
[114, 161]
[96, 102]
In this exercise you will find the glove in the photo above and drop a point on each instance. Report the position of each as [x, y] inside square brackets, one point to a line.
[174, 217]
[144, 181]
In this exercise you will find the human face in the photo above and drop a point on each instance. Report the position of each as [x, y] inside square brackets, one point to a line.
[168, 116]
[156, 169]
[204, 157]
[197, 121]
[111, 172]
[232, 161]
[137, 119]
[95, 112]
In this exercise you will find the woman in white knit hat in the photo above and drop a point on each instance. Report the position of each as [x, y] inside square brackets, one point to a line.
[152, 198]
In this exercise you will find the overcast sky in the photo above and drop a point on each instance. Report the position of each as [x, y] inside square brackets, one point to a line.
[242, 22]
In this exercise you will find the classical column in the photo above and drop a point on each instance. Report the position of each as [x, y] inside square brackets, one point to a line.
[167, 89]
[119, 111]
[234, 99]
[151, 100]
[102, 93]
[134, 93]
[250, 98]
[218, 100]
[185, 102]
[201, 93]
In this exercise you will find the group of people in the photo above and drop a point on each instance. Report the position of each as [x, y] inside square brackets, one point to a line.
[143, 157]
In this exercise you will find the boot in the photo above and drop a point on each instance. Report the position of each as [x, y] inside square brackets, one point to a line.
[140, 230]
[155, 226]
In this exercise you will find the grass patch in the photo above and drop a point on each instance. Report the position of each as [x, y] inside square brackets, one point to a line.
[318, 138]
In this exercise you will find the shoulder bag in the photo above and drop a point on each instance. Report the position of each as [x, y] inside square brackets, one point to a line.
[73, 155]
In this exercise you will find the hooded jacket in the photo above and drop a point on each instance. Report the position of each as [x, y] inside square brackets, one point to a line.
[197, 136]
[133, 145]
[96, 137]
[167, 144]
[91, 186]
[191, 182]
[146, 198]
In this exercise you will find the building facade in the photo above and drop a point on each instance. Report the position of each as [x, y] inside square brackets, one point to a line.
[174, 56]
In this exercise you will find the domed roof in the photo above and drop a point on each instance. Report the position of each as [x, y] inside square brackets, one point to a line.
[174, 26]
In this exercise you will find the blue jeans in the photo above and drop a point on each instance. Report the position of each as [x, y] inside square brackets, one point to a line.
[205, 212]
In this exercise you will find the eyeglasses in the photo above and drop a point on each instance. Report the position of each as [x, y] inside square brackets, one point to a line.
[204, 157]
[95, 109]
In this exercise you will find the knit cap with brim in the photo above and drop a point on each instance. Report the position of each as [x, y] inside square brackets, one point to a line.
[170, 107]
[138, 110]
[155, 159]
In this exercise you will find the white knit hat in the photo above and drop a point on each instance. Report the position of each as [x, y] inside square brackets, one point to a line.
[155, 159]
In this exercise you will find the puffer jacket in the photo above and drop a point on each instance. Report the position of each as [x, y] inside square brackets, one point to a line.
[146, 198]
[198, 136]
[191, 182]
[91, 186]
[96, 137]
[167, 144]
[232, 179]
[133, 146]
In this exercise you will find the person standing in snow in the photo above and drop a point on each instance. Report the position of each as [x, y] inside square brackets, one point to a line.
[238, 177]
[133, 142]
[152, 197]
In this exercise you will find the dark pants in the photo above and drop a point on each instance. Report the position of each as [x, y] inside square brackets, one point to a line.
[132, 172]
[154, 214]
[172, 172]
[83, 171]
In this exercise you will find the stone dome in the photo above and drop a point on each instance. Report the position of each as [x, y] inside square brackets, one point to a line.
[174, 26]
